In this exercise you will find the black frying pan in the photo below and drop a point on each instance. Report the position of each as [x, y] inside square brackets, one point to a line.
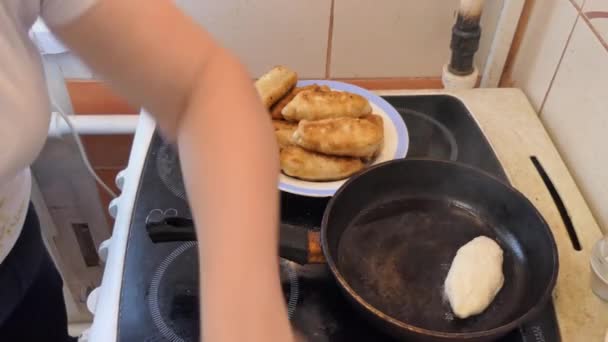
[389, 236]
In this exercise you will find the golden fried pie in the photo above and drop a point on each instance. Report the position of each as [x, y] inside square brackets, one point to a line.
[282, 124]
[275, 84]
[300, 163]
[343, 136]
[319, 105]
[275, 111]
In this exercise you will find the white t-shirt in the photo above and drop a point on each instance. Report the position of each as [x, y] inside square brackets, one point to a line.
[24, 104]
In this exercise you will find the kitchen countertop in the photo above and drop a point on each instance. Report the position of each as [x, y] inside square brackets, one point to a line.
[515, 132]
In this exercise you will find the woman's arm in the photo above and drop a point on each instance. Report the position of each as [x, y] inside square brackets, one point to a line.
[202, 96]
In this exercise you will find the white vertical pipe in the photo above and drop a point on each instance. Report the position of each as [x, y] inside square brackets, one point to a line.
[470, 8]
[503, 39]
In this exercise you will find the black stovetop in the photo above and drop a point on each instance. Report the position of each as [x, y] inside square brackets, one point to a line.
[159, 295]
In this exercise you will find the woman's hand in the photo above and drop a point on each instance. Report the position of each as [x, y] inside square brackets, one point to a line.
[202, 97]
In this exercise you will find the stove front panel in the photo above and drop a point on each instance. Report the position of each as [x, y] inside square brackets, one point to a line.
[144, 259]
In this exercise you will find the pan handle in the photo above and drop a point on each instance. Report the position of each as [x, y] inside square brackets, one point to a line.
[299, 245]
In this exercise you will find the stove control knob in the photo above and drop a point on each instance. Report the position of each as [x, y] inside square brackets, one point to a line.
[102, 251]
[92, 300]
[120, 179]
[113, 207]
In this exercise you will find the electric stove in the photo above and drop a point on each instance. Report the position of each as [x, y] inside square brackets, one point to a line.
[159, 286]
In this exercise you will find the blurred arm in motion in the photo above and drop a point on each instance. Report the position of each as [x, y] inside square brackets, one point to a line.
[202, 97]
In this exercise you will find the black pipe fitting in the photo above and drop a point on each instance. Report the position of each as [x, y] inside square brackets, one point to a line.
[465, 43]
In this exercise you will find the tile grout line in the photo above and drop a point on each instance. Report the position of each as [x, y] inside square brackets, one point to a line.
[588, 22]
[559, 63]
[330, 34]
[576, 6]
[595, 32]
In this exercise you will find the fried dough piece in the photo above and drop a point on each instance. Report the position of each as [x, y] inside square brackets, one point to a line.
[344, 136]
[318, 105]
[284, 137]
[275, 84]
[275, 111]
[282, 124]
[374, 155]
[300, 163]
[283, 131]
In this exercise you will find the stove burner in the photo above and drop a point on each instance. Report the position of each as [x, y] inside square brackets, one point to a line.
[167, 164]
[173, 302]
[289, 272]
[173, 295]
[425, 142]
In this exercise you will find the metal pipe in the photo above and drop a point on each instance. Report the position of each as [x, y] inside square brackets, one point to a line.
[103, 124]
[465, 37]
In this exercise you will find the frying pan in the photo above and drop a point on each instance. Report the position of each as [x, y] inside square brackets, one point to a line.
[389, 236]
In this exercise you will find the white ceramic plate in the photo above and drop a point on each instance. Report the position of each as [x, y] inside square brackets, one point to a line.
[396, 141]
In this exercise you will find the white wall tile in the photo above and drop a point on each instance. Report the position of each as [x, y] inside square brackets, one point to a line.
[549, 26]
[398, 38]
[580, 3]
[270, 32]
[597, 12]
[576, 116]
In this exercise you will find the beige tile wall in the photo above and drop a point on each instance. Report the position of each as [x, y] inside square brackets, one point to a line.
[563, 66]
[269, 32]
[596, 11]
[578, 3]
[394, 38]
[550, 25]
[369, 39]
